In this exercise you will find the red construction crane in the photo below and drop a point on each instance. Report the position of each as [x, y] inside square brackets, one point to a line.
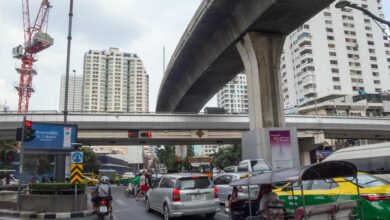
[36, 39]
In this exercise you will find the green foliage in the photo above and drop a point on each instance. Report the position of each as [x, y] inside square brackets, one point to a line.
[228, 156]
[167, 156]
[91, 162]
[55, 188]
[38, 164]
[5, 147]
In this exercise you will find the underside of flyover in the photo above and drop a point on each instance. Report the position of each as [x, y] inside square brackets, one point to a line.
[207, 58]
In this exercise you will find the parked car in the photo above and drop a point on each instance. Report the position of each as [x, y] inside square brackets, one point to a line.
[225, 191]
[374, 191]
[183, 194]
[254, 166]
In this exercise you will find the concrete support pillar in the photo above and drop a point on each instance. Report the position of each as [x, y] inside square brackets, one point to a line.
[260, 54]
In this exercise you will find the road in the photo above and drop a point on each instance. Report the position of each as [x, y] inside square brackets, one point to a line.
[128, 209]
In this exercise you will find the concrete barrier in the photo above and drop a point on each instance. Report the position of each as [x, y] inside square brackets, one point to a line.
[52, 203]
[8, 200]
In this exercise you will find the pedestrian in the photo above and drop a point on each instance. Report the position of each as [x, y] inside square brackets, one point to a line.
[143, 185]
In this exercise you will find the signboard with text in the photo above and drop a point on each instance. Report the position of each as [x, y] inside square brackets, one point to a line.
[52, 137]
[280, 141]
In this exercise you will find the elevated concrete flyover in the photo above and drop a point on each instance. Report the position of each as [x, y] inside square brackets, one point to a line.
[104, 129]
[207, 57]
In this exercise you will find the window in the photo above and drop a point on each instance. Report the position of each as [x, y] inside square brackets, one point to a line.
[243, 167]
[366, 180]
[377, 82]
[194, 183]
[330, 37]
[330, 30]
[336, 79]
[333, 62]
[337, 87]
[323, 184]
[334, 70]
[332, 54]
[166, 183]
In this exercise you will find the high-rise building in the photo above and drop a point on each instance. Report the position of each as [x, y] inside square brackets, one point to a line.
[75, 91]
[4, 108]
[114, 82]
[233, 97]
[336, 53]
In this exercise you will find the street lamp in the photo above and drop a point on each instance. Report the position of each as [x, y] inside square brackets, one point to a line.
[74, 87]
[344, 3]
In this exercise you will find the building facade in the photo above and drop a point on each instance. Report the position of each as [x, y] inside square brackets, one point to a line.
[114, 82]
[233, 97]
[75, 92]
[336, 53]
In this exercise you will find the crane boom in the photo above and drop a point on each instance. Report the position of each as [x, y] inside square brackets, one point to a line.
[35, 40]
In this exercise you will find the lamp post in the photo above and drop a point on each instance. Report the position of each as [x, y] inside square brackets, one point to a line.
[344, 3]
[74, 88]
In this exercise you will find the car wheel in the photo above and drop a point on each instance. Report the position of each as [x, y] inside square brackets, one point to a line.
[166, 213]
[210, 215]
[147, 205]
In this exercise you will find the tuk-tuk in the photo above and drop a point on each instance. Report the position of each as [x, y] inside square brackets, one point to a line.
[248, 208]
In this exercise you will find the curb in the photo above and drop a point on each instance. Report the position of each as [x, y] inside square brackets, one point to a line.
[58, 215]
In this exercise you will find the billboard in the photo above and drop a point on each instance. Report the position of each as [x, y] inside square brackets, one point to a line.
[280, 141]
[52, 137]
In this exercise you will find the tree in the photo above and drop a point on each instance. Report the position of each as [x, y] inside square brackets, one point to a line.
[228, 156]
[167, 156]
[91, 161]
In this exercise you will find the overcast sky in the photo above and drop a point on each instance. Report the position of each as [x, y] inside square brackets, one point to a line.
[135, 26]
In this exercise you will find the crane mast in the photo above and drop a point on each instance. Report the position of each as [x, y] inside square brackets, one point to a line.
[36, 39]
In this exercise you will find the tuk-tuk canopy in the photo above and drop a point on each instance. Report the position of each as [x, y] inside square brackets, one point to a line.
[323, 170]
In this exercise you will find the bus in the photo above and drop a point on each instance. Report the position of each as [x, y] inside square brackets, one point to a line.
[373, 159]
[201, 164]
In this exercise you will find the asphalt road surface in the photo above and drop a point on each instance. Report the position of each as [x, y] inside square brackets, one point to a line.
[128, 209]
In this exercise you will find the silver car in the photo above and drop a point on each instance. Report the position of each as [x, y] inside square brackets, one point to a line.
[222, 183]
[183, 194]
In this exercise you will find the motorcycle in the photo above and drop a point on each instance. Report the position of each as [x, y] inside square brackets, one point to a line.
[131, 190]
[102, 209]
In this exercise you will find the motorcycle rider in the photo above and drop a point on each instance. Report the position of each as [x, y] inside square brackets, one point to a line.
[102, 191]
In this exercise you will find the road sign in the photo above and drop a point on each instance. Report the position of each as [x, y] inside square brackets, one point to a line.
[76, 157]
[76, 173]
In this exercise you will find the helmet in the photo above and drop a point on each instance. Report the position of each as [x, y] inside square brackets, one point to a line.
[104, 179]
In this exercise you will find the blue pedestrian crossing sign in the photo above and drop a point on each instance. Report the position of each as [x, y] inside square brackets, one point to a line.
[76, 157]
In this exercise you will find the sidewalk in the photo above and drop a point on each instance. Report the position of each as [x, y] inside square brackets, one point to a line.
[59, 215]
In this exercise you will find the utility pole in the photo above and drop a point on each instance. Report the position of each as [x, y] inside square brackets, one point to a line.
[60, 159]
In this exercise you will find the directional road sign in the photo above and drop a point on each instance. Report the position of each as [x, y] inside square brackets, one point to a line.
[76, 173]
[76, 157]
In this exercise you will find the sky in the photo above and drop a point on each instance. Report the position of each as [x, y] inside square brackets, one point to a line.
[134, 26]
[141, 27]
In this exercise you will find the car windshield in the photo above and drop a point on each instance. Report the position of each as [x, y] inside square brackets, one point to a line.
[194, 183]
[366, 181]
[259, 166]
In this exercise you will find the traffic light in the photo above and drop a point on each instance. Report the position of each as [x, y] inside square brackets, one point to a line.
[146, 134]
[29, 132]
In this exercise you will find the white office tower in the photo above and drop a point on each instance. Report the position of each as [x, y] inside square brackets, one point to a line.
[233, 97]
[75, 93]
[115, 82]
[336, 53]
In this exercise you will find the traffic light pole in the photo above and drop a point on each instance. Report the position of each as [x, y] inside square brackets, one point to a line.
[21, 159]
[60, 159]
